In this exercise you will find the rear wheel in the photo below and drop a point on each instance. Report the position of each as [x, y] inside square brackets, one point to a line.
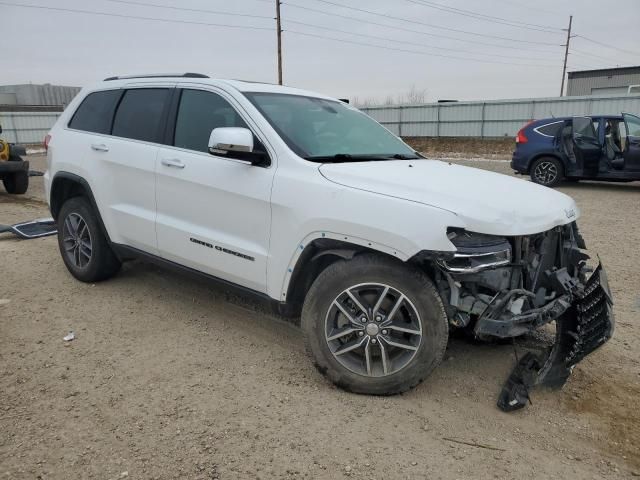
[84, 248]
[547, 171]
[374, 325]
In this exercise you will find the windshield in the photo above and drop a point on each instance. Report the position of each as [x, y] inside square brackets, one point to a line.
[327, 130]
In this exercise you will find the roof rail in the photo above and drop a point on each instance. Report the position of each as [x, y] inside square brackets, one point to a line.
[159, 75]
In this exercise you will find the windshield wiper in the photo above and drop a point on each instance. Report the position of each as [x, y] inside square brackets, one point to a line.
[347, 157]
[402, 156]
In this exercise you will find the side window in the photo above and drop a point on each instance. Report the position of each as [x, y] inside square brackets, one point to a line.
[583, 128]
[200, 112]
[139, 114]
[95, 113]
[633, 123]
[550, 129]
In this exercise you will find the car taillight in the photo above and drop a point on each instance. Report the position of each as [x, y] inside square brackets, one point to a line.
[521, 137]
[47, 139]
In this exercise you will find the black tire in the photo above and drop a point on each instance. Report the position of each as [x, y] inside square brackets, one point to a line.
[16, 183]
[408, 280]
[102, 262]
[547, 171]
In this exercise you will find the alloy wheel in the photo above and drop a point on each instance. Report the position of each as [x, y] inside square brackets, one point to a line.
[545, 172]
[373, 329]
[76, 239]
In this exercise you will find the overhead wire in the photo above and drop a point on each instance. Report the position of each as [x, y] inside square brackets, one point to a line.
[489, 18]
[406, 20]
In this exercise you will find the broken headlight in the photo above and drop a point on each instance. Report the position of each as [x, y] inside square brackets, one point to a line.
[476, 251]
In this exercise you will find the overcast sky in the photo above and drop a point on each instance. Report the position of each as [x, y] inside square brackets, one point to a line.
[64, 47]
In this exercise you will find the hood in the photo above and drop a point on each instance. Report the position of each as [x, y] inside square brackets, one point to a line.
[486, 202]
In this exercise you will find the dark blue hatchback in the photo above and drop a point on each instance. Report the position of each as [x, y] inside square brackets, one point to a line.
[597, 147]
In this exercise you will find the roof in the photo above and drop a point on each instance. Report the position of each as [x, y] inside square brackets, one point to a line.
[600, 71]
[193, 78]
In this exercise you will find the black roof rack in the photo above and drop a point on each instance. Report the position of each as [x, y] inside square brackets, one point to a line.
[159, 75]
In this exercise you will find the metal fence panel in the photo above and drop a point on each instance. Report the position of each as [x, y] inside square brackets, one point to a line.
[496, 118]
[26, 127]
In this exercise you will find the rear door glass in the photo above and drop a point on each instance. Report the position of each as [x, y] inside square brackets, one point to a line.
[139, 114]
[95, 113]
[583, 128]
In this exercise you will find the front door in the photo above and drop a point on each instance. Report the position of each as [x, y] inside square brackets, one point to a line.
[587, 147]
[631, 145]
[213, 213]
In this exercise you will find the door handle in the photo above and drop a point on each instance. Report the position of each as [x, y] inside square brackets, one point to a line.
[99, 147]
[172, 162]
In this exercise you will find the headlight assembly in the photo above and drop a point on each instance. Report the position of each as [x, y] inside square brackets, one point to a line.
[476, 252]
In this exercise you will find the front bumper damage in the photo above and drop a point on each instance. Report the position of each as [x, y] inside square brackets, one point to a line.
[508, 287]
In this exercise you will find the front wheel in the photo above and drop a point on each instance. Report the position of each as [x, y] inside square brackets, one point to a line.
[547, 171]
[374, 325]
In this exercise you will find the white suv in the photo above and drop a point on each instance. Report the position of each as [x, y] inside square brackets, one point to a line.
[306, 201]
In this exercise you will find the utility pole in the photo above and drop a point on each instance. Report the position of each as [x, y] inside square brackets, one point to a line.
[280, 42]
[566, 54]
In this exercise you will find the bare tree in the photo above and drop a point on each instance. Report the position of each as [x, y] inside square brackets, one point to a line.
[413, 96]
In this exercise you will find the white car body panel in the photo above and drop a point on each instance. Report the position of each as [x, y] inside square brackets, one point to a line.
[486, 202]
[271, 214]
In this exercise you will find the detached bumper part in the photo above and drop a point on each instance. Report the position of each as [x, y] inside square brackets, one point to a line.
[586, 325]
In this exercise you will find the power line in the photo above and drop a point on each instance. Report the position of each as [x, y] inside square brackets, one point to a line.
[488, 18]
[136, 17]
[324, 37]
[388, 39]
[635, 54]
[580, 53]
[288, 3]
[523, 5]
[199, 10]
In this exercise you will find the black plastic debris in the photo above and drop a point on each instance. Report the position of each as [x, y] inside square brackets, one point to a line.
[33, 229]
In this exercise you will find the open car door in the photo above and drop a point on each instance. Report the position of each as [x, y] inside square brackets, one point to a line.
[586, 146]
[631, 145]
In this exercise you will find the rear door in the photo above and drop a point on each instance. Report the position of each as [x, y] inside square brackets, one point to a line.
[116, 134]
[631, 147]
[587, 147]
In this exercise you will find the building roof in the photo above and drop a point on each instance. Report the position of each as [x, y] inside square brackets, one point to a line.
[605, 71]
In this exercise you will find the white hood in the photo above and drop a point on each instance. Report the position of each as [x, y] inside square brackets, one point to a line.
[486, 202]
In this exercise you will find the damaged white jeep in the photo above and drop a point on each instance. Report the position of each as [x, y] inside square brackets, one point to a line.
[309, 203]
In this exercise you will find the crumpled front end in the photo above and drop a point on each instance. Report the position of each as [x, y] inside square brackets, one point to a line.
[509, 286]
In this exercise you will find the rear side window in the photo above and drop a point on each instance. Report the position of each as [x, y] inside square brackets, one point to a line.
[96, 112]
[550, 129]
[199, 113]
[139, 114]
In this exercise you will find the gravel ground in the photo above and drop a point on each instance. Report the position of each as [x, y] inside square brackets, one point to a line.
[169, 377]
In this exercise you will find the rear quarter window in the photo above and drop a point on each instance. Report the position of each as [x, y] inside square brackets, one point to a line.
[550, 129]
[95, 113]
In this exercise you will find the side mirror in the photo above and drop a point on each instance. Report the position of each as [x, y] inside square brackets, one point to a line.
[226, 140]
[0, 128]
[237, 142]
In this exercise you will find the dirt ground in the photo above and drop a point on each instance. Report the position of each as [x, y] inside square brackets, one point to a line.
[169, 377]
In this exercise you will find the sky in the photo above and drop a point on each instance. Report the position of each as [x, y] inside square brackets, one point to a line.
[368, 49]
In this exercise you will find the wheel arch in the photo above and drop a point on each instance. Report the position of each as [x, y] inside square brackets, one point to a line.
[314, 258]
[66, 185]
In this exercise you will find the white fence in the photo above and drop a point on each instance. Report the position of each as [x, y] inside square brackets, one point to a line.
[496, 118]
[26, 127]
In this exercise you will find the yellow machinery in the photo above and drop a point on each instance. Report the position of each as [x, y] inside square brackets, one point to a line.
[14, 171]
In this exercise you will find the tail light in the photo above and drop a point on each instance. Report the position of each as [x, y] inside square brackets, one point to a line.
[521, 137]
[47, 139]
